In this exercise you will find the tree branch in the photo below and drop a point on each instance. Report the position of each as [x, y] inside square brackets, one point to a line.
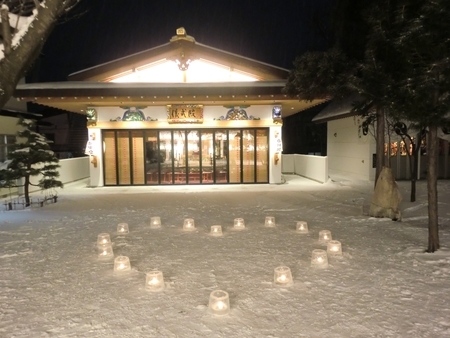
[6, 29]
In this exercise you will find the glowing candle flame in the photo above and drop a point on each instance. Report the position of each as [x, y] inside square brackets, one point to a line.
[220, 305]
[153, 281]
[282, 279]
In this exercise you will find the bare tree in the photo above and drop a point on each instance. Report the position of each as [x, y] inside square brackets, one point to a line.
[25, 26]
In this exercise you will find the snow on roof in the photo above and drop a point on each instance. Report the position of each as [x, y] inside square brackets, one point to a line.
[337, 109]
[119, 85]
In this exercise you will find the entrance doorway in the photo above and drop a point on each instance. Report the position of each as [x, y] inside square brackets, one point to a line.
[186, 156]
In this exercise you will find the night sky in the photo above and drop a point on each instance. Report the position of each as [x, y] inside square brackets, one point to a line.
[98, 31]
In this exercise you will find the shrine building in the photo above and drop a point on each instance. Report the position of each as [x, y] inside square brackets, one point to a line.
[179, 113]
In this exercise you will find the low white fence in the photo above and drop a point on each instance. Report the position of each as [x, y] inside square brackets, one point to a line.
[71, 169]
[309, 166]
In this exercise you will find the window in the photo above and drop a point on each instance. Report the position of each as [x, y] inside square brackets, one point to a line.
[6, 146]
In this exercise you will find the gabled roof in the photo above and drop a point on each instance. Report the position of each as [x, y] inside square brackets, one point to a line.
[337, 109]
[92, 86]
[181, 46]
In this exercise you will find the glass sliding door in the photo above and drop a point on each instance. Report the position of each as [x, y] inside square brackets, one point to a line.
[166, 167]
[188, 156]
[234, 156]
[193, 157]
[220, 156]
[137, 157]
[123, 156]
[110, 158]
[248, 156]
[180, 157]
[262, 156]
[207, 157]
[153, 157]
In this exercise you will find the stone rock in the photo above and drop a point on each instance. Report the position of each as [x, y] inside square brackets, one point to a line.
[386, 197]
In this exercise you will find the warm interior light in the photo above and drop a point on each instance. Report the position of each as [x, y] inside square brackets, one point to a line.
[200, 70]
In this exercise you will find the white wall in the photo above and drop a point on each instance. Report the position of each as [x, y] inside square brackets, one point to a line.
[96, 172]
[349, 152]
[275, 149]
[8, 126]
[72, 169]
[309, 166]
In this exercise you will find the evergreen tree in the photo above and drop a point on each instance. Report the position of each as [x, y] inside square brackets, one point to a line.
[421, 93]
[356, 67]
[31, 157]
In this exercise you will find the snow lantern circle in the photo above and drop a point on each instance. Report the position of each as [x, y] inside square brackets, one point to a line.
[319, 259]
[270, 221]
[189, 224]
[334, 248]
[216, 230]
[122, 265]
[154, 281]
[155, 222]
[302, 227]
[324, 236]
[105, 252]
[103, 239]
[122, 228]
[219, 303]
[282, 276]
[239, 224]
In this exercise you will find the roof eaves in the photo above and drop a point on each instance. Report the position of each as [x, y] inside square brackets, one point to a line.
[337, 109]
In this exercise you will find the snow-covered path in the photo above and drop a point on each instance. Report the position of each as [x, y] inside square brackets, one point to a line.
[53, 285]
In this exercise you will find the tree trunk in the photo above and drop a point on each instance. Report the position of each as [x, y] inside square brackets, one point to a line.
[414, 164]
[15, 63]
[380, 143]
[433, 226]
[27, 190]
[415, 161]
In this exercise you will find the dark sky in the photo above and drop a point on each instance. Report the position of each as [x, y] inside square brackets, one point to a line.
[102, 30]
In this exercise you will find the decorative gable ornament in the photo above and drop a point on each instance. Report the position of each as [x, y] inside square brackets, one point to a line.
[91, 117]
[237, 113]
[133, 114]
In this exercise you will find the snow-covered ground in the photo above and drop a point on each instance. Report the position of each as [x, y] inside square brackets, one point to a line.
[53, 285]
